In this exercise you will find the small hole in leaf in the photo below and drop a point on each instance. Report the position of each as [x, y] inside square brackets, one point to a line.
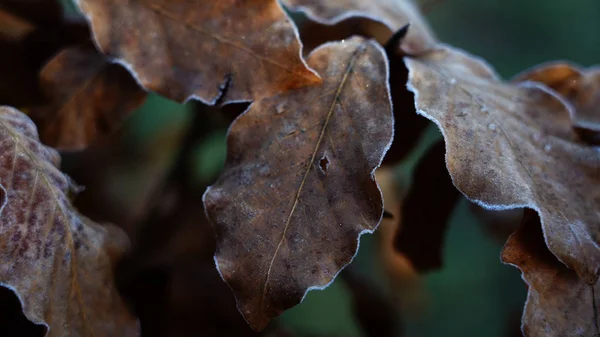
[13, 322]
[324, 164]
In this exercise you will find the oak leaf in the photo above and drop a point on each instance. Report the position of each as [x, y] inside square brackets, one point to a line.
[87, 97]
[512, 146]
[58, 262]
[298, 186]
[211, 50]
[394, 14]
[581, 87]
[559, 303]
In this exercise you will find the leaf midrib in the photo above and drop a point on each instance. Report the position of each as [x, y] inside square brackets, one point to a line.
[343, 81]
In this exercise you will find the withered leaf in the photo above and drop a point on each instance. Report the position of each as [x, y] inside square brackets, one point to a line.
[375, 312]
[394, 14]
[512, 145]
[45, 13]
[403, 279]
[298, 185]
[581, 87]
[12, 27]
[426, 211]
[58, 262]
[559, 303]
[410, 126]
[88, 96]
[212, 50]
[36, 32]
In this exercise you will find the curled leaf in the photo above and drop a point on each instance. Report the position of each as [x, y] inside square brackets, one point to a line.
[394, 14]
[410, 126]
[58, 262]
[212, 50]
[88, 96]
[559, 303]
[298, 186]
[512, 146]
[581, 87]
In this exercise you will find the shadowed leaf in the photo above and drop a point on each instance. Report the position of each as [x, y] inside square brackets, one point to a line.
[581, 87]
[46, 13]
[403, 279]
[375, 312]
[559, 303]
[409, 125]
[426, 210]
[58, 262]
[298, 186]
[12, 27]
[31, 33]
[212, 50]
[498, 224]
[394, 14]
[510, 146]
[88, 97]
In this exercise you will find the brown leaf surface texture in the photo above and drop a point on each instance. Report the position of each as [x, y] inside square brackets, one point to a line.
[58, 262]
[88, 96]
[394, 14]
[298, 186]
[581, 87]
[212, 50]
[558, 303]
[511, 146]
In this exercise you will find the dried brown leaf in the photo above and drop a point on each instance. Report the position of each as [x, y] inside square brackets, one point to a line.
[298, 186]
[394, 14]
[46, 13]
[87, 97]
[410, 126]
[581, 87]
[36, 32]
[511, 146]
[426, 211]
[403, 279]
[559, 303]
[12, 27]
[211, 50]
[58, 262]
[375, 312]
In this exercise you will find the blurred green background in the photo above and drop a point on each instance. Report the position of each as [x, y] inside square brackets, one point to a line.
[474, 294]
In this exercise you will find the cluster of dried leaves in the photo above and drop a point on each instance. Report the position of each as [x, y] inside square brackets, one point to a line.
[298, 187]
